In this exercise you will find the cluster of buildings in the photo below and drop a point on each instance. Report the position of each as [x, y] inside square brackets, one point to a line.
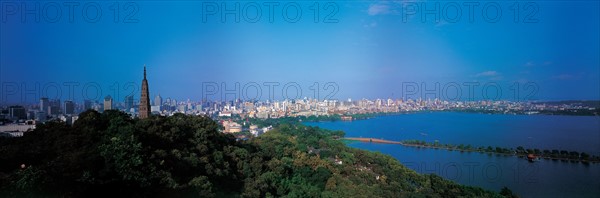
[67, 111]
[346, 108]
[17, 119]
[14, 120]
[230, 126]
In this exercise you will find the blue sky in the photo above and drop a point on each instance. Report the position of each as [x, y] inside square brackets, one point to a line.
[369, 49]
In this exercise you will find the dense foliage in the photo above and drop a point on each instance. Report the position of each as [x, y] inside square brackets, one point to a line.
[108, 154]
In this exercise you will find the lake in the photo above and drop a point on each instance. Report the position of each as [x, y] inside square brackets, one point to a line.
[545, 178]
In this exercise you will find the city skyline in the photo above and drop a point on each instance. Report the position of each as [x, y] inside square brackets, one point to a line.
[401, 98]
[422, 93]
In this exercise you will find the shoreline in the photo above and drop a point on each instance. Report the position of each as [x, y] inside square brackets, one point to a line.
[382, 141]
[365, 116]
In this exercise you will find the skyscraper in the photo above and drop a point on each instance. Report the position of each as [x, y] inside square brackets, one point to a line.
[108, 103]
[128, 102]
[157, 100]
[54, 108]
[44, 104]
[145, 99]
[69, 107]
[17, 112]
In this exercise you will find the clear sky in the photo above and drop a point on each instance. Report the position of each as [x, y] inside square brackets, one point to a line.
[548, 50]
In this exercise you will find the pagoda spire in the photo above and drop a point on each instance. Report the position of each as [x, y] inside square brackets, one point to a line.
[145, 98]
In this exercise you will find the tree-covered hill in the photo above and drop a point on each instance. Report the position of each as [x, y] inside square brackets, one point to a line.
[110, 154]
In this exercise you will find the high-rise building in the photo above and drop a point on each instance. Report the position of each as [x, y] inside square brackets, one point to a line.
[44, 104]
[128, 102]
[69, 107]
[108, 103]
[54, 107]
[157, 100]
[17, 112]
[145, 98]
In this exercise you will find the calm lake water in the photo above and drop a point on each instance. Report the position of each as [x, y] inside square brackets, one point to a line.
[546, 178]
